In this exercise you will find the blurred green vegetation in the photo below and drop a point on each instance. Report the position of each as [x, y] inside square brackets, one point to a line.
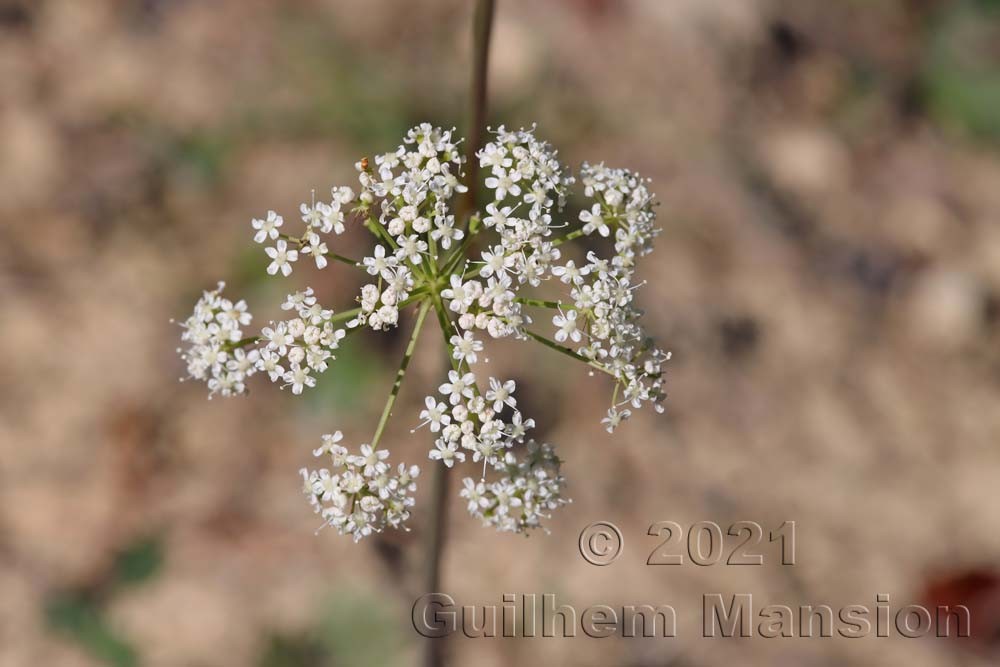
[81, 620]
[961, 73]
[345, 93]
[358, 374]
[78, 614]
[327, 88]
[138, 562]
[354, 628]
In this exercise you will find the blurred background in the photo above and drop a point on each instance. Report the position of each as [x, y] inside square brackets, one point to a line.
[828, 280]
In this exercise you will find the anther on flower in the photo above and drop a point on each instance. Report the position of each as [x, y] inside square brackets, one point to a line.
[477, 272]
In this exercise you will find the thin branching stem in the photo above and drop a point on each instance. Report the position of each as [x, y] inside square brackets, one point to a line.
[539, 303]
[329, 255]
[401, 373]
[340, 258]
[568, 352]
[575, 234]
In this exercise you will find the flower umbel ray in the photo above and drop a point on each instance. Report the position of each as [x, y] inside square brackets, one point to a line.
[422, 257]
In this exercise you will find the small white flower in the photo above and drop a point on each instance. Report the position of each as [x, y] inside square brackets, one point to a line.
[379, 263]
[372, 459]
[444, 231]
[299, 299]
[277, 337]
[458, 386]
[519, 427]
[269, 362]
[318, 250]
[614, 418]
[329, 442]
[493, 156]
[461, 294]
[498, 215]
[447, 453]
[341, 195]
[411, 248]
[465, 348]
[568, 327]
[570, 273]
[298, 378]
[267, 228]
[281, 258]
[504, 183]
[501, 394]
[318, 216]
[594, 221]
[435, 414]
[496, 261]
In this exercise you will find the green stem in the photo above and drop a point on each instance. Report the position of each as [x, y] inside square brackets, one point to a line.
[376, 228]
[348, 314]
[341, 258]
[344, 315]
[568, 352]
[447, 330]
[569, 237]
[460, 252]
[330, 255]
[243, 342]
[540, 303]
[401, 373]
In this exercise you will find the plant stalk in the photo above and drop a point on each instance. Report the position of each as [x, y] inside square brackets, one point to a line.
[401, 373]
[482, 26]
[552, 345]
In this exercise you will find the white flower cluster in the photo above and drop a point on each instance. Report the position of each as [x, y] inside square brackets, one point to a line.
[525, 173]
[603, 321]
[527, 182]
[529, 491]
[429, 168]
[320, 219]
[305, 343]
[414, 185]
[288, 350]
[211, 330]
[471, 421]
[359, 494]
[524, 169]
[423, 255]
[380, 302]
[621, 202]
